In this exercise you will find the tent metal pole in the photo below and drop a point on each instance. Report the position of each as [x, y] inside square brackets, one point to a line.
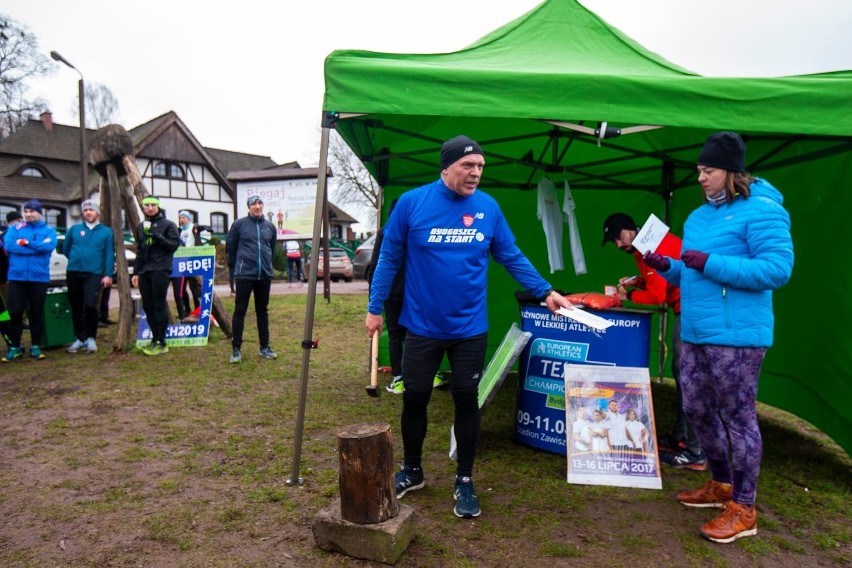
[307, 342]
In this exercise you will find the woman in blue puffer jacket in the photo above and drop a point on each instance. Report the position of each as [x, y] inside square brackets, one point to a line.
[737, 249]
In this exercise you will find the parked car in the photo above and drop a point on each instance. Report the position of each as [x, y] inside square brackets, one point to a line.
[339, 265]
[59, 262]
[361, 266]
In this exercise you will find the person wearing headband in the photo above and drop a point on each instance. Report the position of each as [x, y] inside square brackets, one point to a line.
[157, 239]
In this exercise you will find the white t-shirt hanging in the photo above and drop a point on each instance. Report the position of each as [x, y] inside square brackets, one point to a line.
[551, 220]
[573, 232]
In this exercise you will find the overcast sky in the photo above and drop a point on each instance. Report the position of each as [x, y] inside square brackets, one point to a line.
[247, 75]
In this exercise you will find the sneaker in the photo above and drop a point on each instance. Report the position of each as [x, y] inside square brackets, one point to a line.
[267, 353]
[76, 346]
[467, 503]
[156, 348]
[711, 494]
[13, 353]
[735, 522]
[439, 381]
[396, 386]
[236, 356]
[669, 443]
[685, 459]
[35, 353]
[408, 479]
[91, 346]
[141, 347]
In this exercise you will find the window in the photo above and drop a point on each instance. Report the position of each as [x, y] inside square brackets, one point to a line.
[54, 217]
[5, 209]
[31, 171]
[169, 170]
[219, 222]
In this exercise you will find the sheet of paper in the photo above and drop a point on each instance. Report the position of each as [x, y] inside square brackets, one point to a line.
[651, 234]
[585, 318]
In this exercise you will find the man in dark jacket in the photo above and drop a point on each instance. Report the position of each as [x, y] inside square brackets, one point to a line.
[251, 242]
[157, 239]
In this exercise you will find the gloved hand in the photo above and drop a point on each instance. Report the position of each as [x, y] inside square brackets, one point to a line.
[694, 259]
[656, 261]
[22, 242]
[146, 227]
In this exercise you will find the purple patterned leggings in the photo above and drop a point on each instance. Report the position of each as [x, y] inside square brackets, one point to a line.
[719, 394]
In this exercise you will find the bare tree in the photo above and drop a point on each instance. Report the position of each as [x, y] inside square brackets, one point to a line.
[354, 184]
[101, 106]
[20, 61]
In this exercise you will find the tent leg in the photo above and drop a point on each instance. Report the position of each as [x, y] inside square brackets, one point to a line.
[307, 342]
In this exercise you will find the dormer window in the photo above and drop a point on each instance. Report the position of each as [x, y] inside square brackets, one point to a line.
[168, 170]
[31, 171]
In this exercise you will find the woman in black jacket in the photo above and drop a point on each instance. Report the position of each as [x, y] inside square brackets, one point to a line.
[157, 239]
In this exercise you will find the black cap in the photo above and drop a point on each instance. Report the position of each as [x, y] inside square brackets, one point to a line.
[614, 224]
[725, 150]
[456, 148]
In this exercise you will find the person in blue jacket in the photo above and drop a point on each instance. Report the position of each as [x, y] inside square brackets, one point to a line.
[29, 245]
[737, 249]
[91, 262]
[444, 234]
[250, 246]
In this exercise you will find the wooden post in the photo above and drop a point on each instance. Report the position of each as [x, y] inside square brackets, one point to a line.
[366, 476]
[123, 336]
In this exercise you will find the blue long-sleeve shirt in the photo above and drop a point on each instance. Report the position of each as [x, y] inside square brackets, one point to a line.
[445, 241]
[30, 263]
[90, 250]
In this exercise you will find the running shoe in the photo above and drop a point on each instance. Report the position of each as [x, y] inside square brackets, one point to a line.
[408, 479]
[396, 386]
[467, 503]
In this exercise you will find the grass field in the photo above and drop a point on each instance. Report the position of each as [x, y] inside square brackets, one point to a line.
[182, 460]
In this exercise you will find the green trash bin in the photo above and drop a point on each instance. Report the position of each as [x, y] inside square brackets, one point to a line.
[58, 327]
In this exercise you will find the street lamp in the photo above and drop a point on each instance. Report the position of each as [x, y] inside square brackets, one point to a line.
[84, 173]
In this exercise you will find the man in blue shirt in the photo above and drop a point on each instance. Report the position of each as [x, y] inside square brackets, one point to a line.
[29, 245]
[91, 263]
[444, 234]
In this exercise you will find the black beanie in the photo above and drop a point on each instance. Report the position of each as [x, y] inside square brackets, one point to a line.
[725, 150]
[456, 148]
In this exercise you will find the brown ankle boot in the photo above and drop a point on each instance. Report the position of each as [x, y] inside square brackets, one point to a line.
[711, 494]
[735, 522]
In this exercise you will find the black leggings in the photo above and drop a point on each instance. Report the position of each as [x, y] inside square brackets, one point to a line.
[153, 287]
[25, 295]
[422, 360]
[260, 289]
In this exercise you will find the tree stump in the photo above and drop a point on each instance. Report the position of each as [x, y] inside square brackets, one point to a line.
[367, 492]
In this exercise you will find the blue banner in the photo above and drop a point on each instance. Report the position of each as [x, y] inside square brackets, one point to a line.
[188, 262]
[558, 341]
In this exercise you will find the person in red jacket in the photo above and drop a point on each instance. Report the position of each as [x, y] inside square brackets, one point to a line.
[680, 448]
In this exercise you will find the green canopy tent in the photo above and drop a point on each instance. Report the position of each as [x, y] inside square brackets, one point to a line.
[559, 93]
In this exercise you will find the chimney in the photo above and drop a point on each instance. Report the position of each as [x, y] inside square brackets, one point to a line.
[47, 119]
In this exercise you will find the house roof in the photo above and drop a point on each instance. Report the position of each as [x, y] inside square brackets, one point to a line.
[276, 173]
[56, 150]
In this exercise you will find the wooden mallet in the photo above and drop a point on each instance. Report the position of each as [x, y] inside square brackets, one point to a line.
[372, 388]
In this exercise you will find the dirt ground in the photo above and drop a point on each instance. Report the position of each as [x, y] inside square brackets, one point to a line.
[98, 470]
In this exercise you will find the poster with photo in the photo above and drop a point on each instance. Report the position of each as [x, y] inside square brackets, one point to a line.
[289, 204]
[610, 427]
